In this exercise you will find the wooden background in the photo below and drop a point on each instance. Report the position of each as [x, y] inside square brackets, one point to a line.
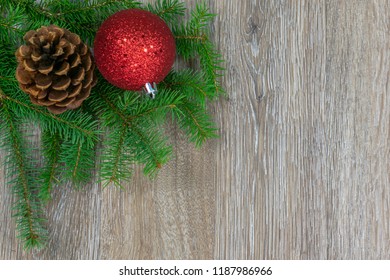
[301, 170]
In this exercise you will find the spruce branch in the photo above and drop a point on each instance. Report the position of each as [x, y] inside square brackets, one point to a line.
[7, 61]
[192, 40]
[191, 115]
[148, 146]
[168, 10]
[76, 125]
[116, 106]
[192, 34]
[27, 209]
[88, 14]
[88, 7]
[9, 31]
[116, 161]
[32, 13]
[191, 85]
[196, 123]
[79, 161]
[211, 61]
[166, 101]
[51, 144]
[134, 137]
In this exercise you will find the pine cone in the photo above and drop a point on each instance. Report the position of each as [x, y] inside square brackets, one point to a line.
[55, 68]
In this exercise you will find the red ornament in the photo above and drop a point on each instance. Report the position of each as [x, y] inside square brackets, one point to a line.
[134, 47]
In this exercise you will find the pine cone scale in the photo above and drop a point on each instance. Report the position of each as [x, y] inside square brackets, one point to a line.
[29, 65]
[42, 94]
[62, 69]
[23, 76]
[75, 60]
[61, 83]
[42, 81]
[46, 69]
[75, 90]
[87, 62]
[57, 110]
[78, 76]
[55, 68]
[83, 49]
[66, 102]
[45, 102]
[23, 52]
[58, 95]
[29, 34]
[88, 80]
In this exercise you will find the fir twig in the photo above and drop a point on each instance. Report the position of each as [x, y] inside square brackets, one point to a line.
[115, 160]
[92, 6]
[196, 123]
[148, 146]
[78, 159]
[51, 150]
[27, 208]
[89, 14]
[168, 10]
[56, 120]
[192, 40]
[132, 138]
[190, 84]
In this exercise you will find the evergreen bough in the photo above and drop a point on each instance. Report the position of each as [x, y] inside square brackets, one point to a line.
[127, 126]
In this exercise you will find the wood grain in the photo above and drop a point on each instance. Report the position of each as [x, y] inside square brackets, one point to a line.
[301, 170]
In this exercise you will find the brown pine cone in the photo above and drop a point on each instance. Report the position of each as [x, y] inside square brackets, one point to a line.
[55, 68]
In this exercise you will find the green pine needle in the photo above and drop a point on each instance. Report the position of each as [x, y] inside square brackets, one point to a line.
[132, 139]
[191, 85]
[148, 146]
[196, 123]
[51, 144]
[168, 10]
[21, 178]
[79, 161]
[116, 160]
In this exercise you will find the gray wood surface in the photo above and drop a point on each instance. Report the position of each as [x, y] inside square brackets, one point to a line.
[301, 170]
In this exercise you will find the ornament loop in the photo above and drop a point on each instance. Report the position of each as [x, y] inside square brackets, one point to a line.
[150, 90]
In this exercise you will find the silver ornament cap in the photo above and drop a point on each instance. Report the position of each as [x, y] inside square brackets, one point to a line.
[150, 90]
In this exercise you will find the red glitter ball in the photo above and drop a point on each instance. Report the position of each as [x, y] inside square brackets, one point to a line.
[134, 47]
